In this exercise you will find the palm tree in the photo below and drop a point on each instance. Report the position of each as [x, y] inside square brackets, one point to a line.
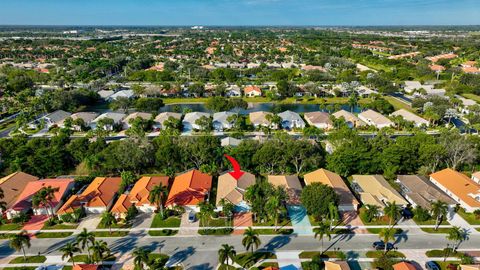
[457, 235]
[20, 241]
[100, 251]
[158, 195]
[225, 253]
[273, 207]
[206, 211]
[44, 198]
[69, 250]
[392, 211]
[322, 230]
[84, 238]
[141, 257]
[439, 210]
[387, 234]
[250, 239]
[333, 214]
[372, 211]
[108, 219]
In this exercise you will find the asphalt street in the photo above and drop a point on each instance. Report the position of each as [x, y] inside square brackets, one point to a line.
[200, 252]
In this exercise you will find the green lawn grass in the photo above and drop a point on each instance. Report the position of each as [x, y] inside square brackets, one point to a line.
[30, 259]
[113, 234]
[53, 234]
[469, 217]
[5, 235]
[379, 253]
[164, 232]
[248, 259]
[211, 223]
[472, 96]
[115, 226]
[21, 268]
[84, 258]
[62, 226]
[170, 222]
[441, 253]
[397, 104]
[326, 254]
[432, 222]
[10, 227]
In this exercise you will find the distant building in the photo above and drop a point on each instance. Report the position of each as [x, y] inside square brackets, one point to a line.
[291, 120]
[411, 117]
[350, 118]
[373, 118]
[319, 120]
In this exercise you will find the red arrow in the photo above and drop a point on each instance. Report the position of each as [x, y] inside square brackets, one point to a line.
[237, 173]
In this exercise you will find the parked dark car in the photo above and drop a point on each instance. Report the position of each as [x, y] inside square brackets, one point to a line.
[191, 217]
[431, 265]
[380, 245]
[407, 213]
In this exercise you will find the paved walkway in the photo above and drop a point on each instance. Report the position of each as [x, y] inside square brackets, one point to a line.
[456, 220]
[353, 219]
[35, 223]
[187, 227]
[414, 229]
[143, 220]
[244, 219]
[300, 221]
[90, 222]
[288, 260]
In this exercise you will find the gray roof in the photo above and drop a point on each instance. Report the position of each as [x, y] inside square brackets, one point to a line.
[194, 116]
[221, 117]
[58, 116]
[117, 117]
[162, 117]
[421, 191]
[230, 141]
[291, 116]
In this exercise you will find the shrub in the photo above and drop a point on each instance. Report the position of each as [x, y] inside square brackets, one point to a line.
[421, 214]
[20, 218]
[477, 214]
[132, 212]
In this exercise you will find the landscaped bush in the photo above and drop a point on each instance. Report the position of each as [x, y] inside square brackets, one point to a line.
[20, 218]
[477, 214]
[421, 214]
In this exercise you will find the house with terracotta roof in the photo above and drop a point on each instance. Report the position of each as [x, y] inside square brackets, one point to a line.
[12, 185]
[336, 265]
[96, 198]
[375, 190]
[85, 267]
[419, 191]
[347, 202]
[231, 189]
[319, 120]
[404, 266]
[462, 189]
[24, 200]
[138, 196]
[252, 91]
[290, 183]
[189, 189]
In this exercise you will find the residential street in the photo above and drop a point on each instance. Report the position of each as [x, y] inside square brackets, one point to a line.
[200, 252]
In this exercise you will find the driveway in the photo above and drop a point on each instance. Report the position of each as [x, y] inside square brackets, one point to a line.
[90, 222]
[300, 221]
[143, 220]
[288, 260]
[414, 229]
[187, 227]
[243, 219]
[351, 218]
[35, 223]
[456, 220]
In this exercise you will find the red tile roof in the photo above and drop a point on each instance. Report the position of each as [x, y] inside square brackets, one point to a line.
[189, 188]
[24, 200]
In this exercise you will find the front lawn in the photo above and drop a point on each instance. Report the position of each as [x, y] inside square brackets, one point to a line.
[120, 225]
[383, 220]
[113, 234]
[10, 227]
[62, 226]
[53, 234]
[211, 224]
[444, 265]
[30, 259]
[272, 231]
[441, 253]
[285, 221]
[380, 253]
[248, 259]
[432, 222]
[83, 258]
[170, 222]
[164, 232]
[469, 217]
[326, 254]
[5, 235]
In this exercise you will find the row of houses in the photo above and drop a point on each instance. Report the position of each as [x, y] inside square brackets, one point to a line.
[193, 187]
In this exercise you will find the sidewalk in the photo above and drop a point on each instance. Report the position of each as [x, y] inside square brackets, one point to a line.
[456, 220]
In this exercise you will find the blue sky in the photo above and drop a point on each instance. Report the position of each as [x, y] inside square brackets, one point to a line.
[239, 12]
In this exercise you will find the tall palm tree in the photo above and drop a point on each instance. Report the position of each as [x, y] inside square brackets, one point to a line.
[439, 211]
[392, 211]
[250, 239]
[457, 235]
[20, 241]
[85, 238]
[387, 234]
[372, 211]
[141, 257]
[108, 220]
[100, 251]
[225, 253]
[69, 250]
[158, 195]
[273, 207]
[321, 231]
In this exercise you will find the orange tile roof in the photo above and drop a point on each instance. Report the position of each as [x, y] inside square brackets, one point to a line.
[437, 67]
[189, 188]
[13, 184]
[139, 193]
[252, 88]
[404, 266]
[24, 199]
[460, 185]
[85, 267]
[98, 194]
